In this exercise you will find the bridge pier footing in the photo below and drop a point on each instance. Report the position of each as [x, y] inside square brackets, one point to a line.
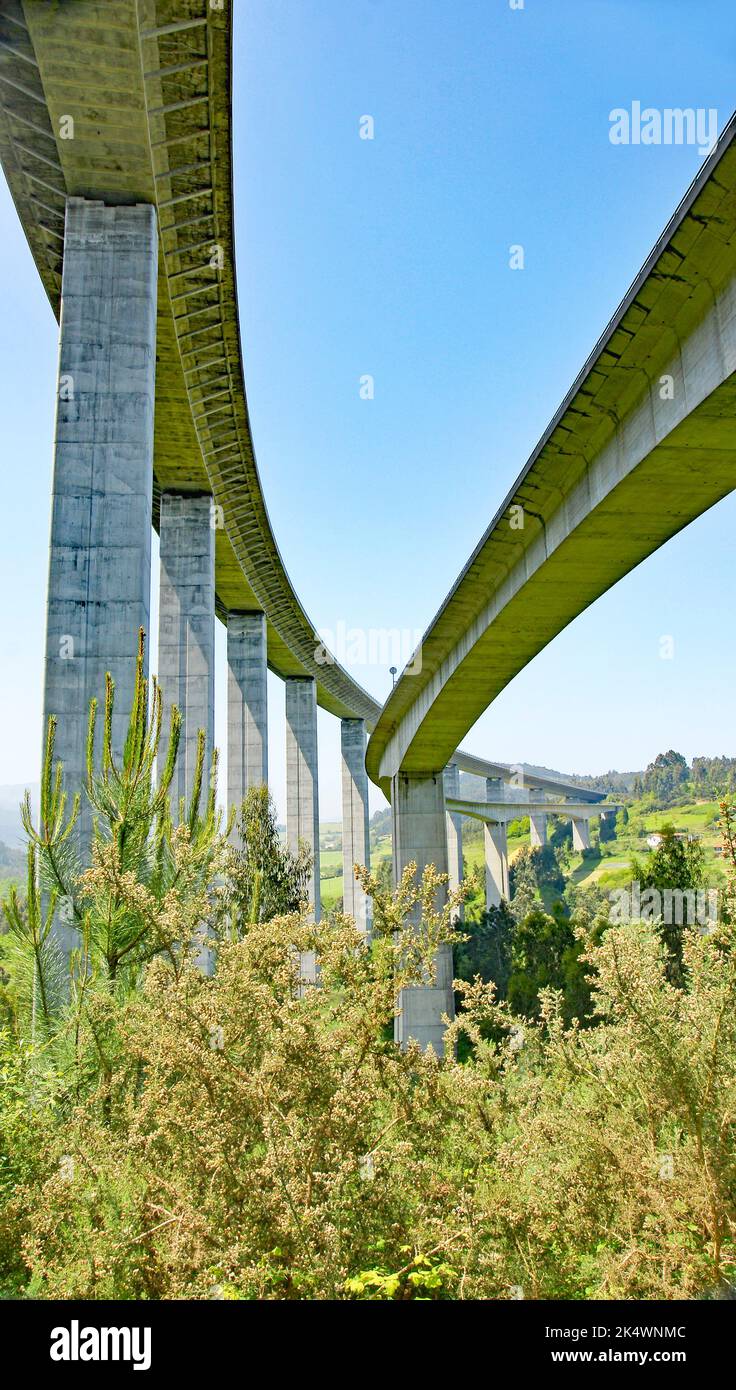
[356, 843]
[247, 705]
[420, 835]
[100, 548]
[186, 632]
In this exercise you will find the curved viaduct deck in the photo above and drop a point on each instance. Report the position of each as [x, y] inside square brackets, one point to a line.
[620, 470]
[148, 86]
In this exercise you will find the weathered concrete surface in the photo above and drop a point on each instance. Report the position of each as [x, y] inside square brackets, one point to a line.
[302, 790]
[454, 834]
[356, 839]
[642, 444]
[247, 705]
[186, 632]
[100, 553]
[420, 836]
[537, 829]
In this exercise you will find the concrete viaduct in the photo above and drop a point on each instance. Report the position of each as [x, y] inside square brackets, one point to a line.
[642, 444]
[115, 139]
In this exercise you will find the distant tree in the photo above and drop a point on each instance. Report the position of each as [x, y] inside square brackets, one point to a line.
[607, 830]
[545, 954]
[487, 951]
[677, 864]
[665, 775]
[384, 874]
[264, 878]
[560, 835]
[534, 869]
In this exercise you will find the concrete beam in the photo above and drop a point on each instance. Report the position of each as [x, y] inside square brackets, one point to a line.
[507, 811]
[356, 840]
[186, 631]
[100, 545]
[247, 705]
[420, 836]
[302, 794]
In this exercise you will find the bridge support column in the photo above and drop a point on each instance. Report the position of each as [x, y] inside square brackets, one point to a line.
[495, 840]
[537, 829]
[356, 841]
[581, 834]
[302, 797]
[186, 632]
[100, 547]
[454, 833]
[247, 705]
[420, 835]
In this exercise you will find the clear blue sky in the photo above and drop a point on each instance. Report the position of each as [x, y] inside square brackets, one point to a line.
[390, 257]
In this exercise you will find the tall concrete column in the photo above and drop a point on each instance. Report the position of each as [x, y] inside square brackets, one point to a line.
[537, 828]
[581, 834]
[537, 819]
[356, 840]
[100, 546]
[302, 797]
[247, 705]
[186, 631]
[420, 835]
[454, 834]
[495, 842]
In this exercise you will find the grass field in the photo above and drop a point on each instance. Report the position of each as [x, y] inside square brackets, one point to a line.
[610, 870]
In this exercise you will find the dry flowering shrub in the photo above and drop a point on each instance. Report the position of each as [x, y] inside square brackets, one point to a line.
[166, 1133]
[275, 1144]
[260, 1139]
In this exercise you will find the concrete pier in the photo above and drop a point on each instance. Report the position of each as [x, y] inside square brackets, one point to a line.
[537, 829]
[420, 835]
[356, 841]
[100, 549]
[454, 834]
[247, 705]
[186, 633]
[581, 834]
[496, 850]
[302, 796]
